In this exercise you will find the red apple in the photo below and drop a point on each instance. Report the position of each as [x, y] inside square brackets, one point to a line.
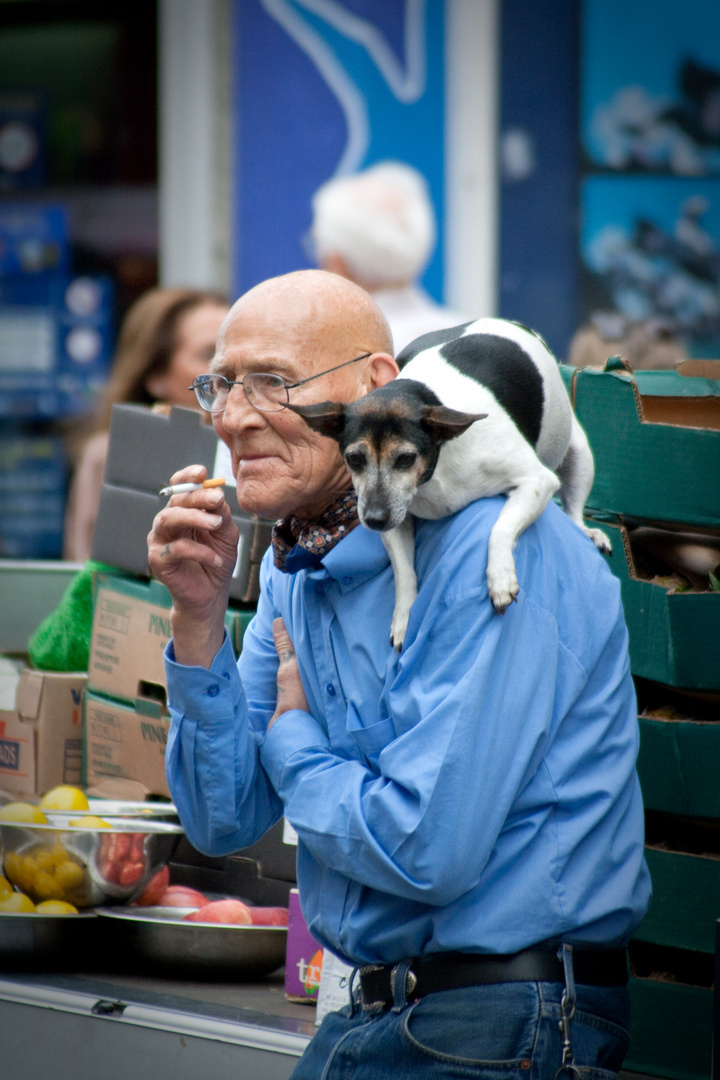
[269, 916]
[222, 911]
[155, 887]
[182, 896]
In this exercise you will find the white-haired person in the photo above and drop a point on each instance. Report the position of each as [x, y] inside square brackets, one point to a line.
[378, 229]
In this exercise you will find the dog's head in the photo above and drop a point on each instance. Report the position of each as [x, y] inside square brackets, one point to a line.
[390, 440]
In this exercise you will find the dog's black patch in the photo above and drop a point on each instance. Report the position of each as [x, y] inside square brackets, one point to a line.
[410, 390]
[507, 371]
[427, 341]
[529, 330]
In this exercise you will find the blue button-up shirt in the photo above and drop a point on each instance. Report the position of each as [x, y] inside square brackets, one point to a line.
[476, 792]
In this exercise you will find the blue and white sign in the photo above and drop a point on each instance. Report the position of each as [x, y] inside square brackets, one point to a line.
[324, 87]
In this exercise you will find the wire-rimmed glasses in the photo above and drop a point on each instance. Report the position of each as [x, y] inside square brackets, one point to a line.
[268, 393]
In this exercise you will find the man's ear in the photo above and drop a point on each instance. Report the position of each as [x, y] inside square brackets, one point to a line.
[325, 417]
[444, 423]
[382, 369]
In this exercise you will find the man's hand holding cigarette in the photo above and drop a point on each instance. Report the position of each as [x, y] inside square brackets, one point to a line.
[192, 549]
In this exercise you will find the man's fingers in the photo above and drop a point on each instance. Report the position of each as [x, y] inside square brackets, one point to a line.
[283, 644]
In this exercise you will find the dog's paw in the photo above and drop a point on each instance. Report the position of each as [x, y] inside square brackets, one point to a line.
[398, 629]
[600, 540]
[503, 588]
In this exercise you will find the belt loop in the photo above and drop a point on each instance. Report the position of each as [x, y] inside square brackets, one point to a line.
[399, 984]
[354, 995]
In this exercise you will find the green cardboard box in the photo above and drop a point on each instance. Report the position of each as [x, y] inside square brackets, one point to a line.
[655, 437]
[671, 1030]
[685, 903]
[678, 766]
[673, 636]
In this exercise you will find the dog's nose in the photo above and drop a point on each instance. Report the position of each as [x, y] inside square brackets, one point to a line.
[376, 521]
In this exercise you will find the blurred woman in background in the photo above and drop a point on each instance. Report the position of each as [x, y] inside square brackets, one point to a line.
[167, 338]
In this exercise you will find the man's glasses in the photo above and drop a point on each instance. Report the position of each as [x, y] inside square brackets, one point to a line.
[268, 393]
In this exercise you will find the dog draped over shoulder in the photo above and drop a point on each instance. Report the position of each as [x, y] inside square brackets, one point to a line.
[477, 410]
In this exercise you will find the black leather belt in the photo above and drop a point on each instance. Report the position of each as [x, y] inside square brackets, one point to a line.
[453, 971]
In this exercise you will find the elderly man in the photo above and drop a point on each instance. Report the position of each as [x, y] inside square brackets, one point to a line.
[468, 812]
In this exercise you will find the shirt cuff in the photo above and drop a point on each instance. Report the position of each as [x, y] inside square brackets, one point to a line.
[291, 733]
[206, 695]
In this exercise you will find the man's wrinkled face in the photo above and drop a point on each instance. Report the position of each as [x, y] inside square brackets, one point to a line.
[280, 464]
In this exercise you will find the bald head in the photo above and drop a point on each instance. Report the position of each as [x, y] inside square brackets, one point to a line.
[317, 309]
[326, 339]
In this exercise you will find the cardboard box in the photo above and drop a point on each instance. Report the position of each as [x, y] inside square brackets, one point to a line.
[685, 902]
[671, 1030]
[655, 437]
[673, 636]
[274, 856]
[304, 957]
[145, 449]
[41, 742]
[130, 629]
[124, 742]
[678, 766]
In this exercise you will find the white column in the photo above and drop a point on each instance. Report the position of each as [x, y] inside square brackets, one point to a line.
[194, 152]
[471, 122]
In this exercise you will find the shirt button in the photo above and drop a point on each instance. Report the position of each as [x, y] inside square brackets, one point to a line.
[330, 689]
[213, 691]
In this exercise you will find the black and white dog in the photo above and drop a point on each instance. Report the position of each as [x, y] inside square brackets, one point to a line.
[413, 448]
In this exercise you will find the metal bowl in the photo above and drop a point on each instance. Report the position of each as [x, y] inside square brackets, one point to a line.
[48, 940]
[158, 936]
[105, 808]
[85, 866]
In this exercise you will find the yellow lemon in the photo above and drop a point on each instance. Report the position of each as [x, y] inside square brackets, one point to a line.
[90, 822]
[16, 901]
[64, 797]
[5, 887]
[24, 812]
[69, 874]
[45, 886]
[56, 907]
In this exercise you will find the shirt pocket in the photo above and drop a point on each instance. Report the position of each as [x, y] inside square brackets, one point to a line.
[371, 739]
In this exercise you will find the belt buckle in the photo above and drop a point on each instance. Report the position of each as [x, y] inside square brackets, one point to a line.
[402, 992]
[370, 969]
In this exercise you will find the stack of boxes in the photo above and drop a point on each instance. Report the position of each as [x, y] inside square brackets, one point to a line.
[41, 738]
[55, 353]
[111, 731]
[126, 718]
[655, 436]
[125, 721]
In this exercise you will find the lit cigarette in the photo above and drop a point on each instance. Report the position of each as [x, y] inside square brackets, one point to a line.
[176, 489]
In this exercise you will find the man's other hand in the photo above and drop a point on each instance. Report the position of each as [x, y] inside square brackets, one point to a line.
[290, 693]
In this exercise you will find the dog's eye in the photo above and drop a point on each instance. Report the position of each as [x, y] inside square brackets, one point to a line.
[355, 460]
[405, 461]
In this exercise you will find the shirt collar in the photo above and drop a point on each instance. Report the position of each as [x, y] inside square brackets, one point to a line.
[358, 558]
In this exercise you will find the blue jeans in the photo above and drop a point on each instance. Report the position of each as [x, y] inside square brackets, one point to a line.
[498, 1032]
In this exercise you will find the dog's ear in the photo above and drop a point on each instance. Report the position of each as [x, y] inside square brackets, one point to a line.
[444, 423]
[325, 417]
